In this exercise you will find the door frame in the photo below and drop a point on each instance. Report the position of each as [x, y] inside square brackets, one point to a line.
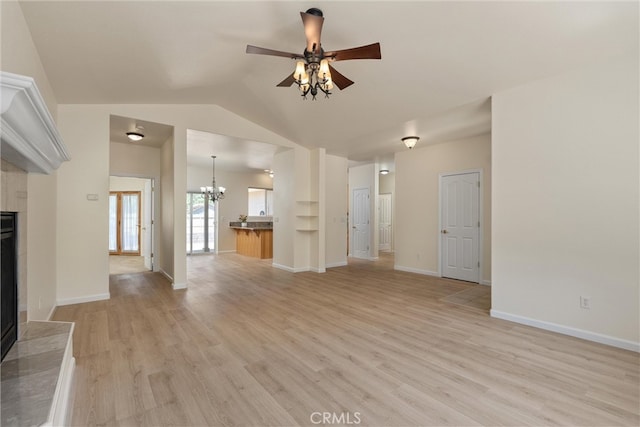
[480, 218]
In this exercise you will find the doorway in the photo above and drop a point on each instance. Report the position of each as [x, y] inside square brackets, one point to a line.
[201, 223]
[131, 225]
[460, 226]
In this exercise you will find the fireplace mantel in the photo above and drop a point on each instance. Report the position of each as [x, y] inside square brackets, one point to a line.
[30, 139]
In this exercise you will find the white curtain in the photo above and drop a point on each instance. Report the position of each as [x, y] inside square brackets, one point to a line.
[130, 222]
[113, 223]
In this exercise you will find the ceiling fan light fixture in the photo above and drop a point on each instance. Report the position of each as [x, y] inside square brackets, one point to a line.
[410, 141]
[135, 136]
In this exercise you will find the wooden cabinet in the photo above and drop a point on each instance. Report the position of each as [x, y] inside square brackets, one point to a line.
[254, 242]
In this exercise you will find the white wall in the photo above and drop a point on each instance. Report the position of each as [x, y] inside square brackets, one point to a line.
[417, 230]
[565, 203]
[20, 56]
[387, 185]
[167, 214]
[336, 207]
[82, 224]
[235, 201]
[283, 209]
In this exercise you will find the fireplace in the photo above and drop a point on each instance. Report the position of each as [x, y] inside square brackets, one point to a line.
[9, 288]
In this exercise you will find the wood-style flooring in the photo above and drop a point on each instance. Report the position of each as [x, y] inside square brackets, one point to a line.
[250, 345]
[126, 264]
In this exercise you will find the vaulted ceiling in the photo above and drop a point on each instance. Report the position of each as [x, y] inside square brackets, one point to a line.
[441, 61]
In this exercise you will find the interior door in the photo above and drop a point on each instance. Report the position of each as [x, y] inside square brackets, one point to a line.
[124, 222]
[360, 223]
[460, 226]
[385, 221]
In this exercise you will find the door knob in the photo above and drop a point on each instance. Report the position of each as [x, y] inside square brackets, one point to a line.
[444, 232]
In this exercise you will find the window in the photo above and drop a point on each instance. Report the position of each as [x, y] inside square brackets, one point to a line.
[260, 202]
[200, 223]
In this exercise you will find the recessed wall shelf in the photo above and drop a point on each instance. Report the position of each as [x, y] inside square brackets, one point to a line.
[306, 215]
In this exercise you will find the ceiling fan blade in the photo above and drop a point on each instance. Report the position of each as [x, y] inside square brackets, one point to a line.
[312, 20]
[338, 79]
[271, 52]
[287, 82]
[370, 51]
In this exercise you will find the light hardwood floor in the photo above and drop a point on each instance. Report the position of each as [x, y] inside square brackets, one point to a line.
[248, 344]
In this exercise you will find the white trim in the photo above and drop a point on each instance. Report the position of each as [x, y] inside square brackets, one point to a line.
[373, 258]
[227, 252]
[176, 286]
[317, 270]
[293, 270]
[282, 267]
[53, 310]
[568, 330]
[30, 138]
[480, 217]
[80, 300]
[485, 282]
[60, 411]
[165, 274]
[416, 270]
[337, 264]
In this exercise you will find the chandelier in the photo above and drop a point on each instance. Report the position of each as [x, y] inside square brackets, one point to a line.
[213, 193]
[313, 75]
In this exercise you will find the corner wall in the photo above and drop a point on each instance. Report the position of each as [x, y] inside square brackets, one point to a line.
[566, 203]
[19, 56]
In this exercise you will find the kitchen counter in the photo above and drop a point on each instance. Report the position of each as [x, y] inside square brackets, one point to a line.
[254, 240]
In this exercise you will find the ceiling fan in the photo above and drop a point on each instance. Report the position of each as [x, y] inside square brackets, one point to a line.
[313, 71]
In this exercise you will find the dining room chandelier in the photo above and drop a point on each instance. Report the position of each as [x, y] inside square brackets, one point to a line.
[213, 193]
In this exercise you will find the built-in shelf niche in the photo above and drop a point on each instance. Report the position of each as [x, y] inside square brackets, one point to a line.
[307, 215]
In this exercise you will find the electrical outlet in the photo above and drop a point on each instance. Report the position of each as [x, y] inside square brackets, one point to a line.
[585, 302]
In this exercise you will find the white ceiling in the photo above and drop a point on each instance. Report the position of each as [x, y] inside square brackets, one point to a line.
[441, 61]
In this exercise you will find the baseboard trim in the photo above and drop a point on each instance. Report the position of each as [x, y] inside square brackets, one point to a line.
[485, 282]
[51, 312]
[227, 252]
[416, 270]
[568, 330]
[318, 270]
[165, 274]
[80, 300]
[177, 286]
[291, 269]
[337, 264]
[282, 267]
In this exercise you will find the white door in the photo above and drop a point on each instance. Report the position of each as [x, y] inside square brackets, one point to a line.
[460, 226]
[384, 222]
[360, 223]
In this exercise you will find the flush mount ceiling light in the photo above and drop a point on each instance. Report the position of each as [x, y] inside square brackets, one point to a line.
[410, 141]
[384, 171]
[135, 136]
